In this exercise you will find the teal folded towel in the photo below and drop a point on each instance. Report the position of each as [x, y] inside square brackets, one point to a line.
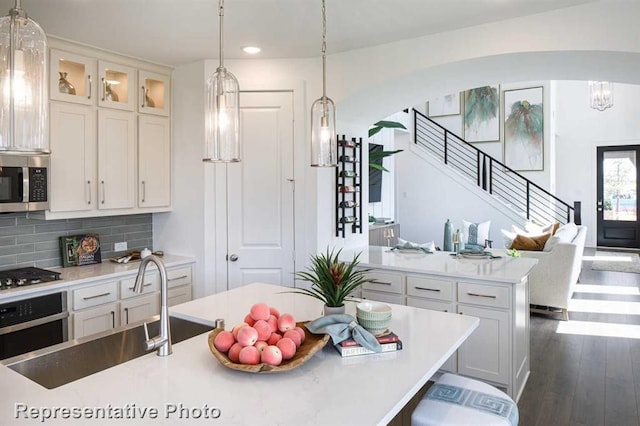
[342, 327]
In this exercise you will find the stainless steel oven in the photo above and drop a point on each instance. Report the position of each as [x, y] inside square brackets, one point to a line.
[24, 182]
[33, 323]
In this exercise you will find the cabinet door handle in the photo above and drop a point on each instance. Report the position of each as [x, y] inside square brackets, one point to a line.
[481, 295]
[89, 80]
[103, 192]
[96, 296]
[144, 92]
[104, 89]
[126, 315]
[143, 285]
[89, 186]
[144, 191]
[178, 278]
[113, 319]
[427, 289]
[379, 282]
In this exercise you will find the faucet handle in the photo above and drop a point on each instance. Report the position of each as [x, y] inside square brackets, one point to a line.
[146, 331]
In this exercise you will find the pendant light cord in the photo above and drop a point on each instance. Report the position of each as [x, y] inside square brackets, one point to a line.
[221, 15]
[324, 51]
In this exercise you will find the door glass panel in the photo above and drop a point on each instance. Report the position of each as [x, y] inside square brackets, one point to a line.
[154, 93]
[71, 77]
[619, 185]
[116, 86]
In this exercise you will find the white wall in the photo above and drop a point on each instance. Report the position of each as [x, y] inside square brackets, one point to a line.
[580, 130]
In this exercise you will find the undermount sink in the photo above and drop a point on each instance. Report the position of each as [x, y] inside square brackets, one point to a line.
[61, 364]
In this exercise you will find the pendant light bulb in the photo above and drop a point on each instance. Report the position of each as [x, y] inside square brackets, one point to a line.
[324, 149]
[222, 114]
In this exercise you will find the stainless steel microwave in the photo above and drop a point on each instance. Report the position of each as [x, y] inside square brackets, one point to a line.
[24, 182]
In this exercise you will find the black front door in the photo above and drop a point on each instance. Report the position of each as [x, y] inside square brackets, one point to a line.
[617, 203]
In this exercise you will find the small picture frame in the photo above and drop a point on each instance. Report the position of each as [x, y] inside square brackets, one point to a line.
[78, 250]
[445, 105]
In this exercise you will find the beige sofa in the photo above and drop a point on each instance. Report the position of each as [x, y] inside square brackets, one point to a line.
[552, 280]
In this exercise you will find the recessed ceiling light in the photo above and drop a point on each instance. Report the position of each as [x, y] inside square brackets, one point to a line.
[251, 50]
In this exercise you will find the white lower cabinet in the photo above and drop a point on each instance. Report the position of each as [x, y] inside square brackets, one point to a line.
[95, 320]
[110, 303]
[485, 354]
[138, 309]
[498, 350]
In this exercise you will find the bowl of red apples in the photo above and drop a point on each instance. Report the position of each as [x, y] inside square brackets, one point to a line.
[265, 342]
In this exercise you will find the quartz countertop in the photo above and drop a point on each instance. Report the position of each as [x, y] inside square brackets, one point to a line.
[328, 389]
[76, 275]
[505, 269]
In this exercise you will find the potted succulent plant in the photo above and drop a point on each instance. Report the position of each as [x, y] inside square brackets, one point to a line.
[332, 280]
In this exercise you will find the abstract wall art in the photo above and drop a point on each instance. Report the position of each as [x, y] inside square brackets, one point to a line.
[481, 114]
[524, 129]
[445, 105]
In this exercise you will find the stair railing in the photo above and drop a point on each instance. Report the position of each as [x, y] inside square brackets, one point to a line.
[522, 195]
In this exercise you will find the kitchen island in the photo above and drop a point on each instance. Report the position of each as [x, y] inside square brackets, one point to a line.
[191, 385]
[494, 289]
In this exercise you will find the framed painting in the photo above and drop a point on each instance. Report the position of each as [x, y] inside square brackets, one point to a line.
[445, 105]
[482, 114]
[524, 129]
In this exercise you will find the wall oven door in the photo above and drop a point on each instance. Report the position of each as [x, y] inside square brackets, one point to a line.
[31, 324]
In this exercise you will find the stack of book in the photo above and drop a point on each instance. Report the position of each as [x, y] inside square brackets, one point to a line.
[389, 342]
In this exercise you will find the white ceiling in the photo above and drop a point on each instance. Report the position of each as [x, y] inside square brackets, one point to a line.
[181, 31]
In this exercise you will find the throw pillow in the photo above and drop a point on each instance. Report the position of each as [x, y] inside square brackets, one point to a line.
[508, 237]
[534, 243]
[535, 229]
[476, 233]
[564, 234]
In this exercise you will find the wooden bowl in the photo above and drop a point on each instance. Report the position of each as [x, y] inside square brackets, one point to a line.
[312, 344]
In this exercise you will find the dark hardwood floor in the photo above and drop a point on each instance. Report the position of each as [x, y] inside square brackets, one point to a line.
[587, 371]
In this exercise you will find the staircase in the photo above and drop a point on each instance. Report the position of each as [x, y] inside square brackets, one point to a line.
[511, 188]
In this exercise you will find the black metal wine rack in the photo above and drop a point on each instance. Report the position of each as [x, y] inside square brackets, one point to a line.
[349, 186]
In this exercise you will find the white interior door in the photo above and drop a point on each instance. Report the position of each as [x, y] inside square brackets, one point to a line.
[260, 230]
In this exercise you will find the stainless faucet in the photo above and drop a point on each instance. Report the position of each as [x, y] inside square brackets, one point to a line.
[163, 341]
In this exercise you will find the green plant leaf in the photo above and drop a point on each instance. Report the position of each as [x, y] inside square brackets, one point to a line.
[390, 125]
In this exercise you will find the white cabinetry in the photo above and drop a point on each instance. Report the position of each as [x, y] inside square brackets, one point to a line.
[116, 159]
[96, 144]
[154, 93]
[73, 154]
[95, 308]
[105, 304]
[154, 161]
[498, 350]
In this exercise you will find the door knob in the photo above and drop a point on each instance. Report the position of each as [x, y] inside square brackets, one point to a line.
[233, 257]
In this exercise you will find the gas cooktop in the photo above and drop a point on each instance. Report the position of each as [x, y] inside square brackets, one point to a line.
[20, 277]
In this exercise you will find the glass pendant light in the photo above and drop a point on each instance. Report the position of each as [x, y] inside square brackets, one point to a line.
[323, 115]
[23, 77]
[601, 94]
[222, 113]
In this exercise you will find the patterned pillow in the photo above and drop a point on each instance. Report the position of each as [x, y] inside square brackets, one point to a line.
[476, 233]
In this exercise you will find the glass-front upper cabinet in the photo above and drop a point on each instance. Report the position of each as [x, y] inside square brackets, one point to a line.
[72, 78]
[117, 86]
[154, 93]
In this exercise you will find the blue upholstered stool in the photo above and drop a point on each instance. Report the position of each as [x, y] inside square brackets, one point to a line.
[456, 401]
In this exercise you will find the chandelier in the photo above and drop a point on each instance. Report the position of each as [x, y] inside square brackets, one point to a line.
[601, 95]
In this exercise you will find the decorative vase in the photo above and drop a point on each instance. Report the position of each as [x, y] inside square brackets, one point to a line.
[150, 103]
[64, 86]
[447, 245]
[333, 310]
[110, 94]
